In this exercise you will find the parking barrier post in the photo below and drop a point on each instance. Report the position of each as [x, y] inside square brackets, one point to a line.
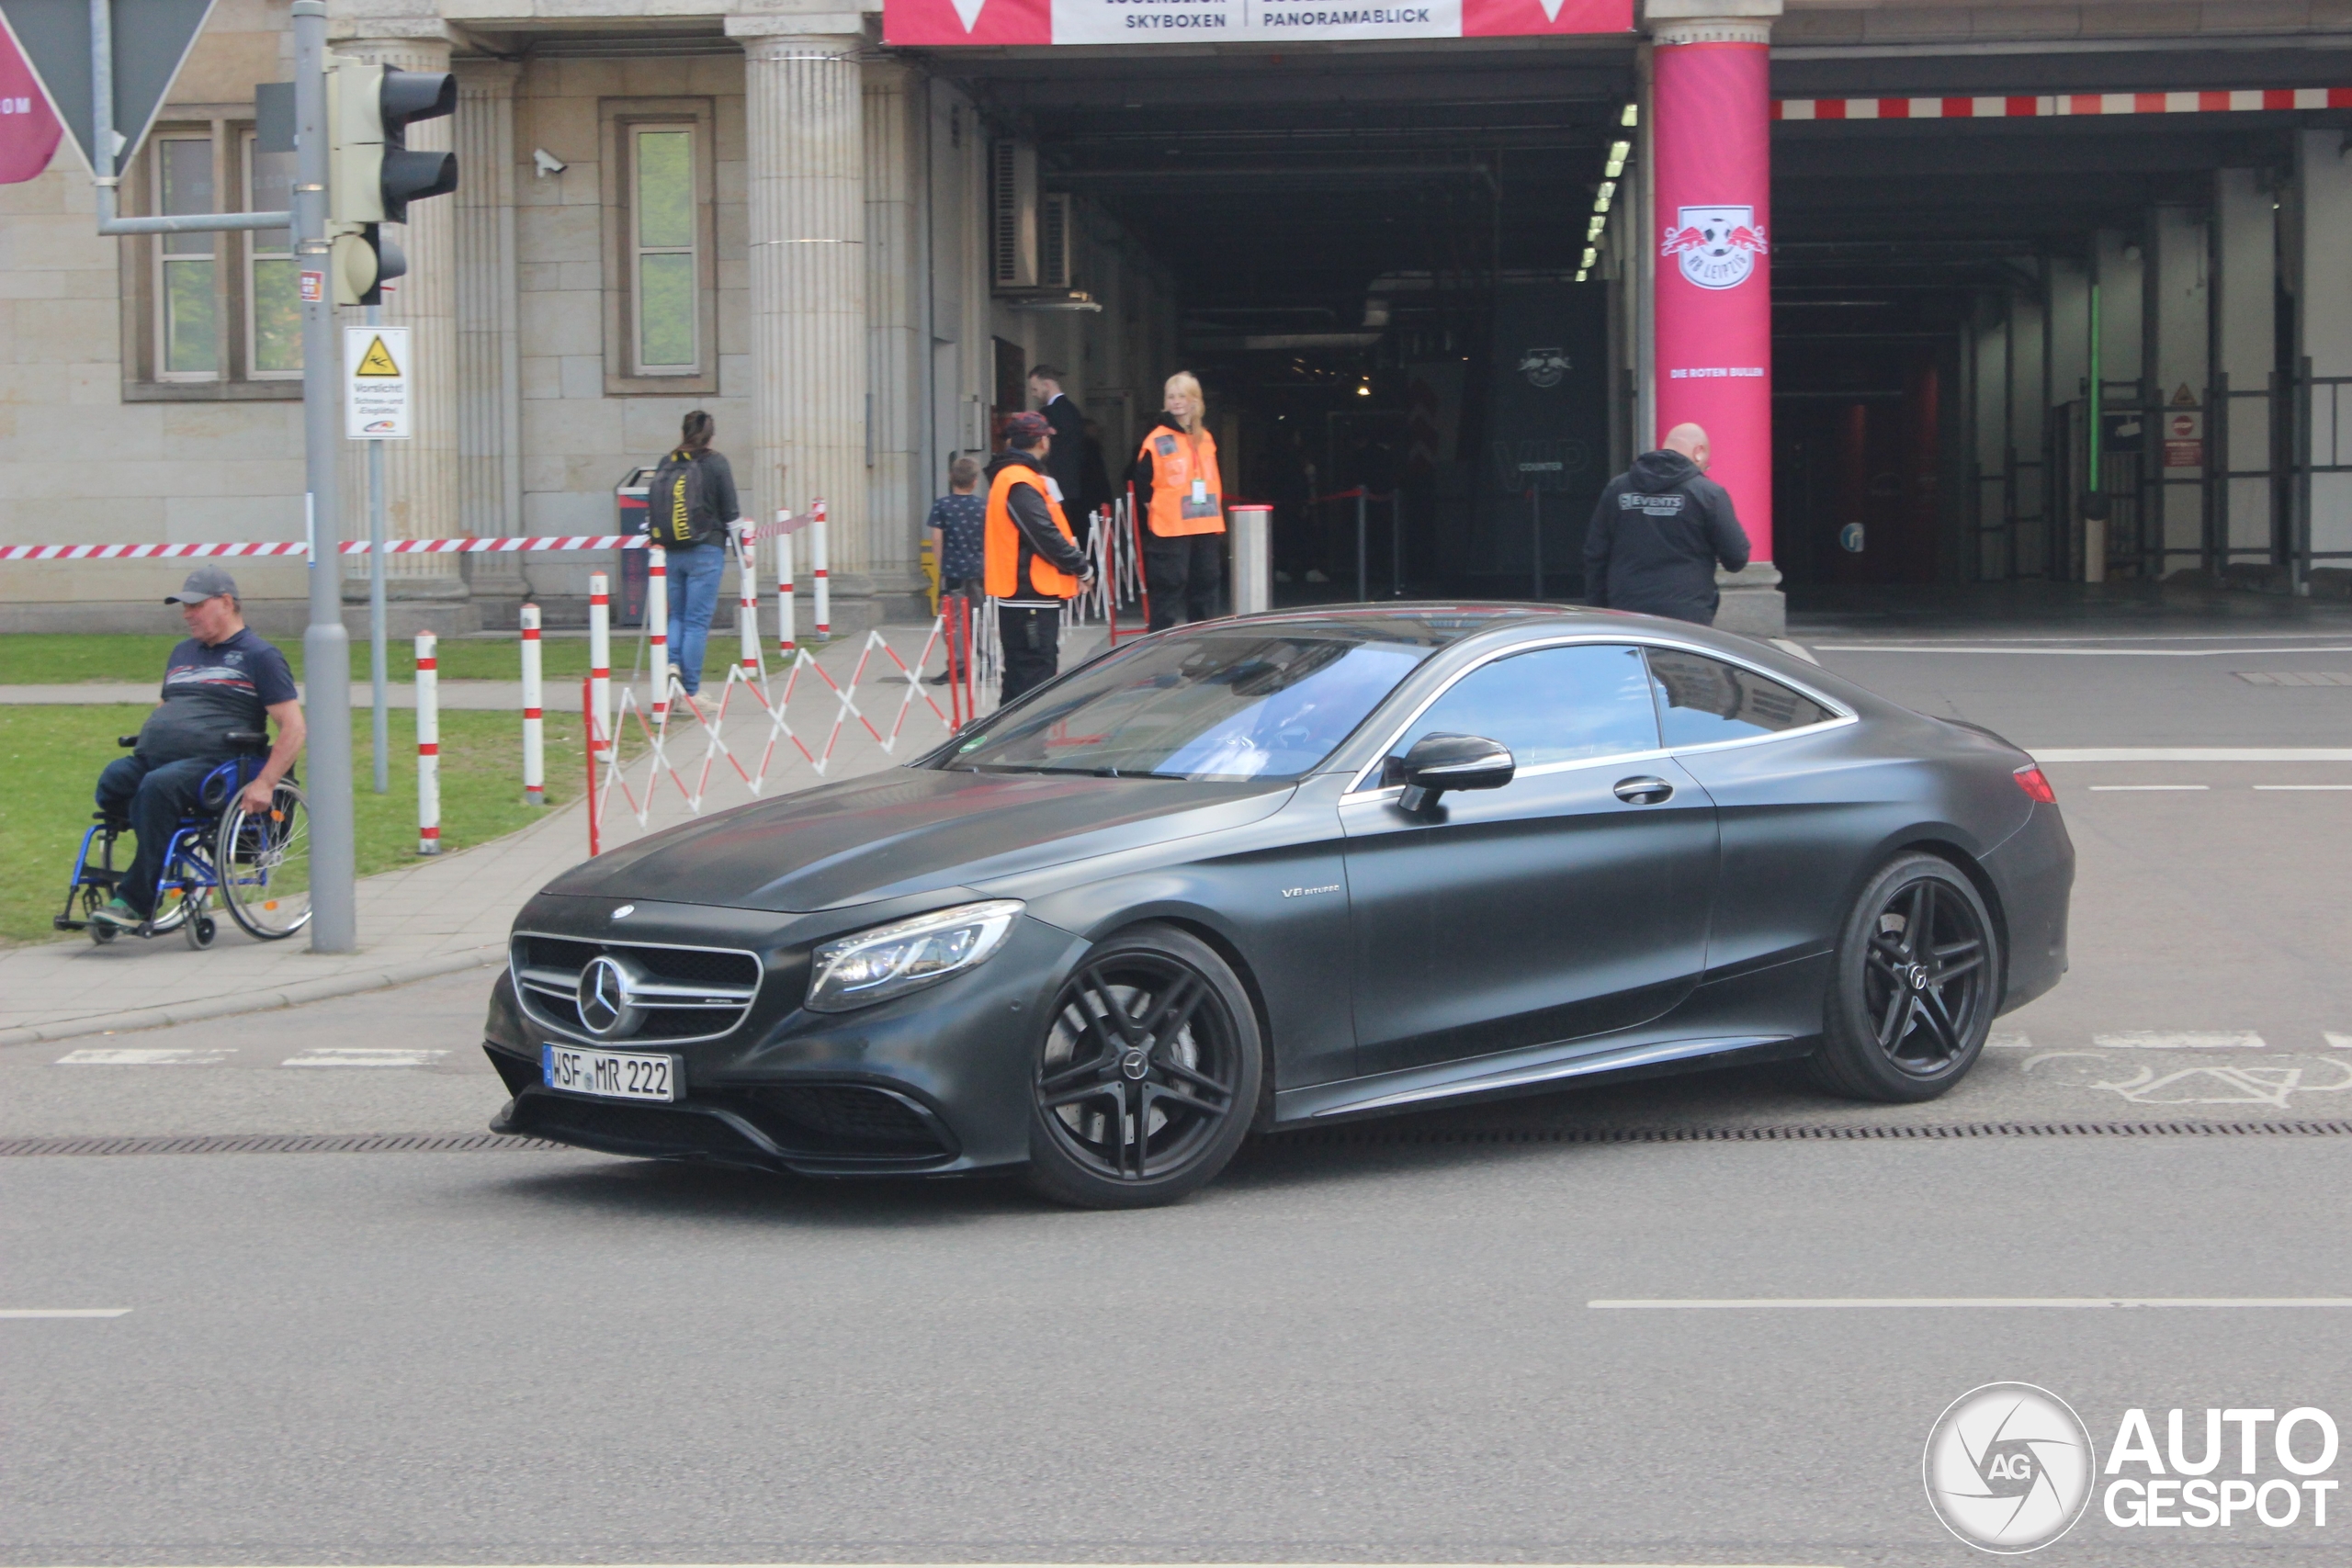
[600, 672]
[656, 628]
[428, 747]
[784, 644]
[590, 722]
[534, 757]
[819, 556]
[747, 602]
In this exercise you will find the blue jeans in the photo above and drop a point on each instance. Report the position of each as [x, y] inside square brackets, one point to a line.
[154, 799]
[694, 596]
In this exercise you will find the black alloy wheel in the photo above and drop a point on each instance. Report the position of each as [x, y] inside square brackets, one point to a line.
[1149, 1076]
[1916, 985]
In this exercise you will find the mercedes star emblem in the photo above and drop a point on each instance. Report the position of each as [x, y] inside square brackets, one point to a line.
[607, 1005]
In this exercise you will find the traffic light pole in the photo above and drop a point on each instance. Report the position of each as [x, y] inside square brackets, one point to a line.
[326, 647]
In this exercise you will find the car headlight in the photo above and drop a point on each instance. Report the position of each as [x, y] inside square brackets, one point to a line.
[906, 955]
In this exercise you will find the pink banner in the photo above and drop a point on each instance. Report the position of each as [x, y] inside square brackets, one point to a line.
[1712, 118]
[931, 23]
[29, 132]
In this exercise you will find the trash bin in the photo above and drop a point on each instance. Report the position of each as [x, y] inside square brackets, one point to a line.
[629, 517]
[1250, 535]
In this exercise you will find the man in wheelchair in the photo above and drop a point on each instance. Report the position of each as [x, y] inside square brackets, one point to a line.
[219, 688]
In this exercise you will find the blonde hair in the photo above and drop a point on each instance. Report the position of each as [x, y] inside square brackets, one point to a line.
[1185, 382]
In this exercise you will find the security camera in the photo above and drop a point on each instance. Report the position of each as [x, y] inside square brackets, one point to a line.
[548, 164]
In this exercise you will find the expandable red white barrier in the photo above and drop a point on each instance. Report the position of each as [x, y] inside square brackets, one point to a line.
[762, 749]
[535, 542]
[428, 747]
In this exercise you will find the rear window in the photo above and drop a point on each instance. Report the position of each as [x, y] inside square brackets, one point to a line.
[1215, 705]
[1703, 700]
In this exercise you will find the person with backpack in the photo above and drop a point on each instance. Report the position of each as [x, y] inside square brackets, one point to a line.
[1661, 529]
[691, 511]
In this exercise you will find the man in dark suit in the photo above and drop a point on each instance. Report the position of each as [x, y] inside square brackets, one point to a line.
[1064, 461]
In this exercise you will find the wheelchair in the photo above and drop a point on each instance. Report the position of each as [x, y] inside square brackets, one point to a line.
[256, 865]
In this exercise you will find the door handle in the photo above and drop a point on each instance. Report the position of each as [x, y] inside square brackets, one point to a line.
[1644, 791]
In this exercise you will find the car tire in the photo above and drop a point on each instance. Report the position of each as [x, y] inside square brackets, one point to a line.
[1917, 983]
[1152, 1034]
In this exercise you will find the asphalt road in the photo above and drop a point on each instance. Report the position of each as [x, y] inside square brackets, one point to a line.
[1375, 1346]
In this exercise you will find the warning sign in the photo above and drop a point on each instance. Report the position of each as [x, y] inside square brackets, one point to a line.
[375, 392]
[377, 360]
[2184, 438]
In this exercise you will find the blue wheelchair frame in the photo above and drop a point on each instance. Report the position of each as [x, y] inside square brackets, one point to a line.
[188, 863]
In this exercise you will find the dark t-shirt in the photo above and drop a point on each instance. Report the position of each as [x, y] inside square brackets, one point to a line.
[209, 691]
[960, 519]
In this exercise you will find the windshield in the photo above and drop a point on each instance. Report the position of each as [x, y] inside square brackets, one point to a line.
[1217, 704]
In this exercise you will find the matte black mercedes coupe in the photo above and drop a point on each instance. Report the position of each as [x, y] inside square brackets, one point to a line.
[1271, 871]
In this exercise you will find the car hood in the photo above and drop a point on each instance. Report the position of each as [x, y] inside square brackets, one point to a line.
[910, 830]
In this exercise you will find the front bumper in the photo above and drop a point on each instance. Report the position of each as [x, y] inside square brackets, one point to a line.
[935, 1083]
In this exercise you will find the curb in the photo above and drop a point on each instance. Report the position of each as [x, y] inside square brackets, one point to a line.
[349, 983]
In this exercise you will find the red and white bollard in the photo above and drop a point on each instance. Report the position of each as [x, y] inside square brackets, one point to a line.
[600, 676]
[428, 747]
[821, 589]
[535, 756]
[656, 628]
[784, 644]
[747, 603]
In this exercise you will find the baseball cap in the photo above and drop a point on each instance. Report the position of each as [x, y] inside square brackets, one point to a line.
[204, 583]
[1023, 429]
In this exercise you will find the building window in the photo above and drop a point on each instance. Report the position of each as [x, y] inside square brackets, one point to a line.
[187, 325]
[664, 268]
[213, 316]
[273, 307]
[658, 182]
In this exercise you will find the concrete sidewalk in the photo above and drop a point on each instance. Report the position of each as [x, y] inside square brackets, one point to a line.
[452, 913]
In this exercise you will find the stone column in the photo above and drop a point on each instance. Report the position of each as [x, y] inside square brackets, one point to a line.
[421, 490]
[895, 503]
[1711, 182]
[2246, 333]
[807, 188]
[489, 386]
[2322, 513]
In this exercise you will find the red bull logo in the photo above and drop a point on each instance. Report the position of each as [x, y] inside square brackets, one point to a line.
[1716, 246]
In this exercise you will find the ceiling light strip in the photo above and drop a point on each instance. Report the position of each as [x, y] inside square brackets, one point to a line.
[2052, 105]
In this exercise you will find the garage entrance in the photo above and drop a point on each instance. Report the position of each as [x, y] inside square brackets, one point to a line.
[1375, 261]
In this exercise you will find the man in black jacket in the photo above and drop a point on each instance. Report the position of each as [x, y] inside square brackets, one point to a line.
[1065, 459]
[1659, 532]
[1029, 612]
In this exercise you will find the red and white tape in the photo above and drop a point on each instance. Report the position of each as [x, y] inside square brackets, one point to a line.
[2052, 105]
[349, 548]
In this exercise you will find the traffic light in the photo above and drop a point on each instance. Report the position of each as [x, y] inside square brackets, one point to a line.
[372, 174]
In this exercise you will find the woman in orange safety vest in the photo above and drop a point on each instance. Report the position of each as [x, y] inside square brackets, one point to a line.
[1031, 564]
[1177, 485]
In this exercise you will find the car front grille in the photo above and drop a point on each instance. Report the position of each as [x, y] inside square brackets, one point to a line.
[685, 993]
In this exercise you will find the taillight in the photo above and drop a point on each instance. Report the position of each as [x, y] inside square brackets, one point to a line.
[2031, 779]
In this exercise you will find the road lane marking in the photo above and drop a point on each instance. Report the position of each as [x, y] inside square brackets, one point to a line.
[2192, 754]
[2191, 1040]
[144, 1057]
[2069, 653]
[2302, 787]
[363, 1057]
[1806, 1303]
[2341, 1041]
[64, 1312]
[2142, 789]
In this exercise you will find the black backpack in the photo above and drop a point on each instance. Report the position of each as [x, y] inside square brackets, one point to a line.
[675, 500]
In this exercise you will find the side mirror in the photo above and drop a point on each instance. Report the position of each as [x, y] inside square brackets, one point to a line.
[1436, 764]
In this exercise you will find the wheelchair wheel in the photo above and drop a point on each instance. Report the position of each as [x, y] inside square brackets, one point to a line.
[201, 928]
[263, 861]
[92, 898]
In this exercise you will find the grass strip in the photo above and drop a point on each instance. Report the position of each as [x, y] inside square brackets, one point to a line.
[53, 755]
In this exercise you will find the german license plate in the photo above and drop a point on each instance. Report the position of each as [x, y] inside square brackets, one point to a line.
[610, 1075]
